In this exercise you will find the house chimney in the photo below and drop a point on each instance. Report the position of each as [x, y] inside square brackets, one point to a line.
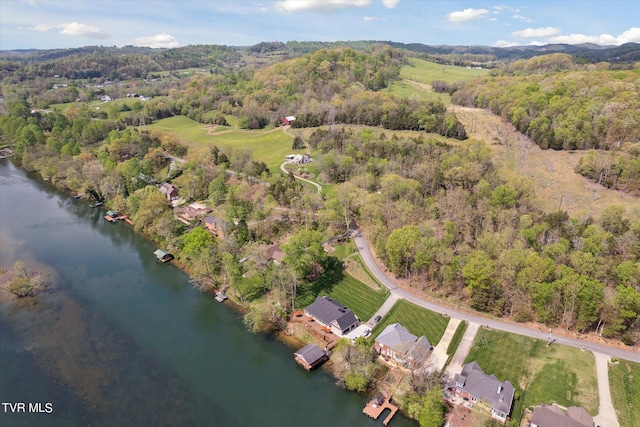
[499, 389]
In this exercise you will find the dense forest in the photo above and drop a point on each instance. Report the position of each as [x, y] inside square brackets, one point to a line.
[436, 210]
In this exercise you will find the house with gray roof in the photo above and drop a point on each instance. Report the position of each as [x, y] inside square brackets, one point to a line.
[395, 342]
[330, 313]
[473, 384]
[554, 416]
[310, 356]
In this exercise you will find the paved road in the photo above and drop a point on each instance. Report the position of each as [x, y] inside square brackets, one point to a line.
[363, 247]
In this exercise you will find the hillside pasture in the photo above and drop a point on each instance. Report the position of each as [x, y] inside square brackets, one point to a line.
[269, 146]
[419, 321]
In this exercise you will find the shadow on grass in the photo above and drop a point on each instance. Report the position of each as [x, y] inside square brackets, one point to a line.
[308, 290]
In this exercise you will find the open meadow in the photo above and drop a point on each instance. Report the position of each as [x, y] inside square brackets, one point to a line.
[269, 145]
[540, 374]
[418, 75]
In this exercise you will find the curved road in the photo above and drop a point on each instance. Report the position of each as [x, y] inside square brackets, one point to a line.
[393, 287]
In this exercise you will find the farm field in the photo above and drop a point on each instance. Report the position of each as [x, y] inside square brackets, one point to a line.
[269, 146]
[417, 320]
[624, 380]
[540, 374]
[418, 75]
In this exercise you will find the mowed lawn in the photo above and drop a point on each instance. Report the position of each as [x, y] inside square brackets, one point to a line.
[269, 146]
[419, 321]
[624, 380]
[360, 298]
[540, 374]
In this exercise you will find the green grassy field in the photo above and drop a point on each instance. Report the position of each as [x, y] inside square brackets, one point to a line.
[423, 73]
[624, 380]
[269, 146]
[456, 338]
[417, 320]
[540, 374]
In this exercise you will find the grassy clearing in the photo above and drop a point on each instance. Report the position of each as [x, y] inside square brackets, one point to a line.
[269, 145]
[456, 338]
[418, 75]
[624, 379]
[425, 72]
[551, 172]
[540, 374]
[417, 320]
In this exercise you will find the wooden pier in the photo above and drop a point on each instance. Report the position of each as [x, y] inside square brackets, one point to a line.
[376, 407]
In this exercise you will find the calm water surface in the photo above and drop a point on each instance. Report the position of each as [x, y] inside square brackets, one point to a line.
[118, 339]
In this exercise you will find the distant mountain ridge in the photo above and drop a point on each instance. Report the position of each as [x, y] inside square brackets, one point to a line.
[628, 52]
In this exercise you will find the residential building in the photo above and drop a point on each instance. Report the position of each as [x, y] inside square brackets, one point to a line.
[396, 343]
[192, 212]
[170, 191]
[275, 254]
[330, 313]
[554, 416]
[472, 383]
[216, 226]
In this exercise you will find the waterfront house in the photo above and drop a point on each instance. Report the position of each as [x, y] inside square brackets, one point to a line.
[218, 227]
[332, 315]
[194, 211]
[310, 356]
[170, 191]
[275, 254]
[479, 388]
[554, 416]
[396, 343]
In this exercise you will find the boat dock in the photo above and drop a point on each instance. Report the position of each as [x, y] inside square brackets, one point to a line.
[113, 216]
[376, 407]
[220, 296]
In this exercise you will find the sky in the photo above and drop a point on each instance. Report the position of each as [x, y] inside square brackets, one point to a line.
[49, 24]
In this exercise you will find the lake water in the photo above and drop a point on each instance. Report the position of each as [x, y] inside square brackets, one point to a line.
[118, 339]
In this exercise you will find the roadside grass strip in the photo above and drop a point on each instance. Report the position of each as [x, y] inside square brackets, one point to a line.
[540, 374]
[455, 339]
[624, 380]
[419, 321]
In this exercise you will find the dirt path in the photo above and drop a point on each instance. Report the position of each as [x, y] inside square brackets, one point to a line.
[551, 172]
[607, 413]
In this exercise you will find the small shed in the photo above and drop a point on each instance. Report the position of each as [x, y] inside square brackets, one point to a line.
[163, 256]
[310, 356]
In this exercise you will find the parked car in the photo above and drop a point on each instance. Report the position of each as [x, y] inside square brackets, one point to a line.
[366, 333]
[377, 319]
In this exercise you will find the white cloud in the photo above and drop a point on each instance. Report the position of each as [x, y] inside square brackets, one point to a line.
[159, 40]
[505, 43]
[522, 18]
[532, 33]
[467, 15]
[373, 18]
[320, 5]
[390, 4]
[82, 30]
[631, 35]
[41, 28]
